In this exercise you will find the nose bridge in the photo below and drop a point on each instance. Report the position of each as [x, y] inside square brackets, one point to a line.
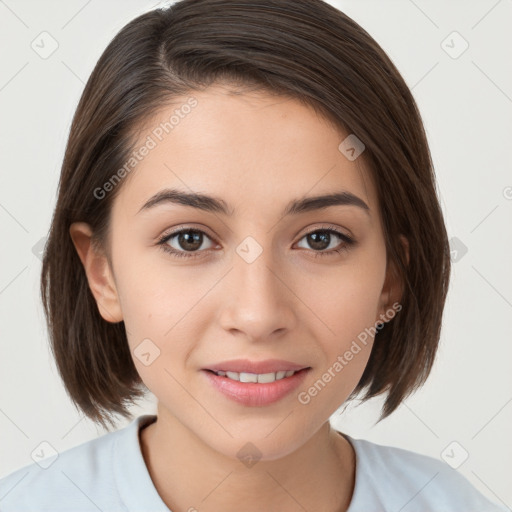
[254, 274]
[259, 303]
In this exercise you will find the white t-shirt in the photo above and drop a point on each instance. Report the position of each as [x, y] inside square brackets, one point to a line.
[109, 474]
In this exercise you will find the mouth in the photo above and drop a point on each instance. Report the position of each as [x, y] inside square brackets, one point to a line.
[260, 378]
[256, 383]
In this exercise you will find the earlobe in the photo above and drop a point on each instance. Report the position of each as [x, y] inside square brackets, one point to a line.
[98, 272]
[405, 244]
[392, 289]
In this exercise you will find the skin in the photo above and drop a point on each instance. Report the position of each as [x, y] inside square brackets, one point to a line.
[257, 152]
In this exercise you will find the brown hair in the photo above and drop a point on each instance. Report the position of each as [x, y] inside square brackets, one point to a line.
[303, 49]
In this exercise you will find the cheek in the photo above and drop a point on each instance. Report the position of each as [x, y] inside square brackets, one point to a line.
[347, 300]
[349, 310]
[347, 305]
[165, 316]
[154, 296]
[152, 306]
[346, 350]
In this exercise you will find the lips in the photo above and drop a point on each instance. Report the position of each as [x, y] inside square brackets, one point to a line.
[255, 394]
[255, 367]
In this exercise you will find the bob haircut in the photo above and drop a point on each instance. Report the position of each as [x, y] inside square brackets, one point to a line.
[305, 50]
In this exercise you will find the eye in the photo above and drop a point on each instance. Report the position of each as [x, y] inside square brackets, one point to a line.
[321, 239]
[184, 241]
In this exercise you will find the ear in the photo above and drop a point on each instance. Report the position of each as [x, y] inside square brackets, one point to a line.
[392, 289]
[98, 272]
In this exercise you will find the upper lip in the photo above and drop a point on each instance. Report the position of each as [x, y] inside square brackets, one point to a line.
[259, 367]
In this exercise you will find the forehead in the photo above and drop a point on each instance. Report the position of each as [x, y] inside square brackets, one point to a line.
[256, 151]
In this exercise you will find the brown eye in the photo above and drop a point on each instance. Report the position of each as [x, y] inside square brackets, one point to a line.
[184, 241]
[321, 239]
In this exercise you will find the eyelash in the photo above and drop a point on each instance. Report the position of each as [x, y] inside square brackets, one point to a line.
[162, 243]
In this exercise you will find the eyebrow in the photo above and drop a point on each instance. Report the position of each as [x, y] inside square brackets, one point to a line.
[216, 205]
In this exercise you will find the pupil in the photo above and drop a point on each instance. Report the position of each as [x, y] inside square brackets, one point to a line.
[320, 240]
[190, 240]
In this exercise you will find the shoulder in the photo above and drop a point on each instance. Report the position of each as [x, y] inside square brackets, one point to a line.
[397, 479]
[79, 479]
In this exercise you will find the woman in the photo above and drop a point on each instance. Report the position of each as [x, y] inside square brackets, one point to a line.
[247, 226]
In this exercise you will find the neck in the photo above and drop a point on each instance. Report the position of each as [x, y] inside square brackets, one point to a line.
[190, 475]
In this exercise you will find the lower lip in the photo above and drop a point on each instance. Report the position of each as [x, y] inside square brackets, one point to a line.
[254, 394]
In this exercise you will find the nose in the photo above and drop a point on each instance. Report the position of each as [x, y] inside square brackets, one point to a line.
[257, 301]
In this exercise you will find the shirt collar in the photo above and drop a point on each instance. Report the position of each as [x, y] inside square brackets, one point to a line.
[131, 474]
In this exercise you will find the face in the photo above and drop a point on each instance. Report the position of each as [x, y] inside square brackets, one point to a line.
[201, 289]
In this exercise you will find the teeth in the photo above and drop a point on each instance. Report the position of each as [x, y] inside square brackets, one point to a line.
[248, 377]
[261, 378]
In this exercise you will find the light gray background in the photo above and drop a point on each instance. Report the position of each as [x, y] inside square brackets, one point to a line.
[466, 103]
